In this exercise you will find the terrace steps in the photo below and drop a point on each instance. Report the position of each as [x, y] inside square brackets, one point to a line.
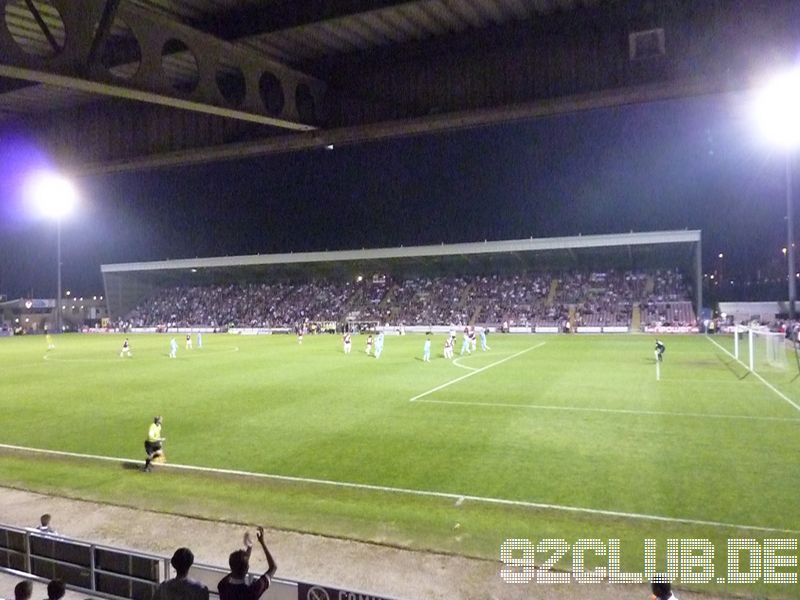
[649, 285]
[551, 295]
[636, 318]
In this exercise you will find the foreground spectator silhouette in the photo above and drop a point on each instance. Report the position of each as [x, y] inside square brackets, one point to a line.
[23, 590]
[234, 587]
[181, 587]
[662, 591]
[44, 524]
[56, 590]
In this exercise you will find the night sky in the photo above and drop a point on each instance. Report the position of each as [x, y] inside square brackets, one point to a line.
[692, 163]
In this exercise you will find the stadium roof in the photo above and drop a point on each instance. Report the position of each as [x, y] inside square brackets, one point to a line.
[566, 244]
[124, 84]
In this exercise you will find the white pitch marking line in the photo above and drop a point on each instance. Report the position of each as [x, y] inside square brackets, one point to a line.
[475, 372]
[622, 411]
[458, 364]
[227, 350]
[411, 492]
[760, 378]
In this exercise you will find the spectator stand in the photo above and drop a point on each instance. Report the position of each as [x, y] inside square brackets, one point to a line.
[583, 284]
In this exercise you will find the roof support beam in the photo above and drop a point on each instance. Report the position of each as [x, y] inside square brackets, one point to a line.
[103, 29]
[106, 89]
[421, 126]
[176, 65]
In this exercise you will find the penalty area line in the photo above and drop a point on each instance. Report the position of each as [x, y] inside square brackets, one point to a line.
[620, 411]
[459, 498]
[760, 378]
[475, 372]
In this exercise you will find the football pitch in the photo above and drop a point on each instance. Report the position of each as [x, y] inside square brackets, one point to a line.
[562, 437]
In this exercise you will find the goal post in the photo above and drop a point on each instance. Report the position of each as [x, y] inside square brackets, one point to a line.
[766, 350]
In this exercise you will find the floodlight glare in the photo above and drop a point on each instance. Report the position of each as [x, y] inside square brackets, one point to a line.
[777, 110]
[53, 195]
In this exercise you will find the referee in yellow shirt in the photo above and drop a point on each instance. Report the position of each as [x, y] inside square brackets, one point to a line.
[152, 445]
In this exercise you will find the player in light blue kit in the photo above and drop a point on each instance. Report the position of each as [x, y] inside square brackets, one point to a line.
[199, 340]
[426, 350]
[379, 345]
[465, 343]
[173, 348]
[484, 345]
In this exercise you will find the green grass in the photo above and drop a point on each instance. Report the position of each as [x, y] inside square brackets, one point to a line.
[512, 431]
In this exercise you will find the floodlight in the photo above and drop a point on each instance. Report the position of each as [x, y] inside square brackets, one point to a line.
[53, 195]
[777, 109]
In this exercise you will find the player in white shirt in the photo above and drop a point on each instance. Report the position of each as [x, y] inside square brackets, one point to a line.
[448, 347]
[173, 348]
[188, 341]
[347, 342]
[126, 349]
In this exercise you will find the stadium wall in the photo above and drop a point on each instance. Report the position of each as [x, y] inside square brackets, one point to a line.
[746, 311]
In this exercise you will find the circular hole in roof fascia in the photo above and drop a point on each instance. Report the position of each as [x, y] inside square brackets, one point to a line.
[179, 66]
[121, 54]
[29, 35]
[231, 84]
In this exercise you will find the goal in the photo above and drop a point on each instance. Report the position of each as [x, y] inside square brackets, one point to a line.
[761, 350]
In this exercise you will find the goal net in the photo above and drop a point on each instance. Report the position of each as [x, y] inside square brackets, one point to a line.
[761, 350]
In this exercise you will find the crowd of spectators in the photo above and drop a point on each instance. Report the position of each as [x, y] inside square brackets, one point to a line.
[603, 298]
[244, 305]
[668, 304]
[519, 299]
[597, 298]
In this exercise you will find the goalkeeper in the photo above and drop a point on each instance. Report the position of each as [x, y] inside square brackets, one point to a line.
[153, 444]
[660, 348]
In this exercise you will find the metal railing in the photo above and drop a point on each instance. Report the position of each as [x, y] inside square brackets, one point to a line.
[104, 571]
